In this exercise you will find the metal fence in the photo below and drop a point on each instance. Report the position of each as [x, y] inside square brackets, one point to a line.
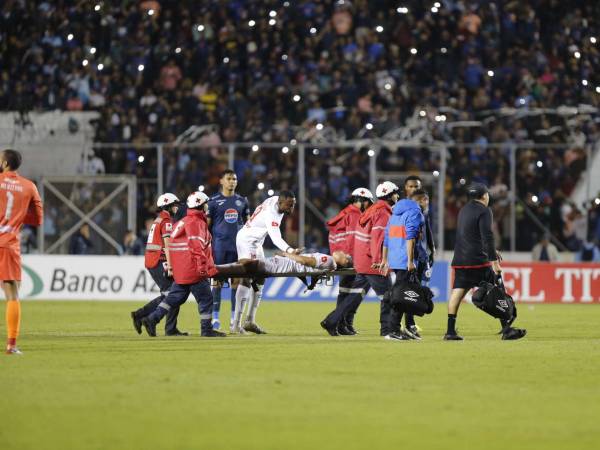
[264, 168]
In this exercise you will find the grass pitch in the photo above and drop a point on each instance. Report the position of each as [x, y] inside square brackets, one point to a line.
[87, 381]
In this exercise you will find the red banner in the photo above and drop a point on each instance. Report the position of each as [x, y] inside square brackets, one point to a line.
[552, 282]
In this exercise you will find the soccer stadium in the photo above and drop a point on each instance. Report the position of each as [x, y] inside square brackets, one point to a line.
[312, 224]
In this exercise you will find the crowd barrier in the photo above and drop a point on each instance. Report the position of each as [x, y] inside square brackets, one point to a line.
[49, 277]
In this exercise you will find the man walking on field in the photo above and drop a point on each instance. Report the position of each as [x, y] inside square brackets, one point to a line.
[20, 204]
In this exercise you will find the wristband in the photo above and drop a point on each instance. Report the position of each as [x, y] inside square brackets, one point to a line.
[289, 250]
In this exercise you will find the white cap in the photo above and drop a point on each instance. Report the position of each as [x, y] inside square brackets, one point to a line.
[196, 199]
[166, 200]
[385, 188]
[362, 192]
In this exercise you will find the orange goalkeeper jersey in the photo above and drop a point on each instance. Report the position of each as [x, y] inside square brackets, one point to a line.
[20, 204]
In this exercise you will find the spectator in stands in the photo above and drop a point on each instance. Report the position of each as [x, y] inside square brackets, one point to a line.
[132, 244]
[80, 243]
[545, 250]
[589, 252]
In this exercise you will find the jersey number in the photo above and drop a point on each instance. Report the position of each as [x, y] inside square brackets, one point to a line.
[256, 211]
[10, 201]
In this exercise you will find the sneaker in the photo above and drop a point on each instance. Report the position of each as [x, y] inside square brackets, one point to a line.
[13, 351]
[150, 326]
[453, 337]
[253, 328]
[396, 337]
[413, 333]
[213, 333]
[351, 329]
[512, 334]
[216, 324]
[331, 330]
[344, 330]
[137, 323]
[177, 333]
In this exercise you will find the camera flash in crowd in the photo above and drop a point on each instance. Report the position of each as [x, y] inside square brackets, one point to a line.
[315, 151]
[70, 37]
[270, 192]
[296, 98]
[437, 5]
[93, 50]
[285, 149]
[200, 28]
[387, 86]
[584, 82]
[436, 173]
[272, 22]
[150, 12]
[540, 164]
[272, 13]
[284, 57]
[534, 198]
[490, 73]
[100, 66]
[140, 68]
[402, 10]
[462, 181]
[577, 55]
[379, 29]
[141, 159]
[84, 63]
[593, 40]
[201, 188]
[422, 113]
[598, 89]
[597, 201]
[226, 60]
[313, 30]
[255, 148]
[434, 9]
[413, 51]
[444, 50]
[293, 142]
[251, 23]
[178, 50]
[97, 8]
[261, 185]
[371, 153]
[319, 126]
[369, 126]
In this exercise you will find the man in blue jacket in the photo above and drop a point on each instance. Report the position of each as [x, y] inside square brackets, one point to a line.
[405, 249]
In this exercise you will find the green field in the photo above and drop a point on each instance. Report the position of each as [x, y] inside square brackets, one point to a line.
[87, 381]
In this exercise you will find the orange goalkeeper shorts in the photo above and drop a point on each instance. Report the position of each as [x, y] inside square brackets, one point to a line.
[10, 264]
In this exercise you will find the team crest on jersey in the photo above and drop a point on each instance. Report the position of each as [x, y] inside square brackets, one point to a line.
[323, 258]
[238, 203]
[230, 215]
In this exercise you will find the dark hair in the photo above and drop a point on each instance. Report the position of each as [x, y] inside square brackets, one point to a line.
[419, 193]
[287, 194]
[13, 158]
[226, 172]
[412, 178]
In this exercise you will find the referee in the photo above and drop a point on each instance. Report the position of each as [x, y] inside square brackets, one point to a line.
[475, 257]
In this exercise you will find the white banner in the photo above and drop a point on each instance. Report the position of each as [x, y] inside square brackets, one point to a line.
[86, 278]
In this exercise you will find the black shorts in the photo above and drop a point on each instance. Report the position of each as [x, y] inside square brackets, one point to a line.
[470, 278]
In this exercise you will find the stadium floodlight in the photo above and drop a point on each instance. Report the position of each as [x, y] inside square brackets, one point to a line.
[285, 149]
[296, 98]
[577, 55]
[584, 82]
[369, 126]
[261, 185]
[434, 9]
[70, 37]
[413, 51]
[93, 50]
[422, 113]
[539, 164]
[255, 148]
[178, 50]
[490, 73]
[371, 153]
[272, 13]
[319, 126]
[251, 23]
[436, 173]
[84, 63]
[315, 151]
[97, 7]
[141, 159]
[313, 30]
[141, 68]
[379, 29]
[271, 192]
[150, 12]
[200, 28]
[593, 40]
[534, 198]
[272, 22]
[100, 66]
[402, 10]
[444, 50]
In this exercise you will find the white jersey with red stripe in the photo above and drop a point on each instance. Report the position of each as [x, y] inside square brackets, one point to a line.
[281, 264]
[265, 220]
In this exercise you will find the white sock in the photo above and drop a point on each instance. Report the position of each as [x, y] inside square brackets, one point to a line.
[242, 295]
[254, 304]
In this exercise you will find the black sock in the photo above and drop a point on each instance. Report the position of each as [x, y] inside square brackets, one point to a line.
[410, 320]
[504, 324]
[451, 324]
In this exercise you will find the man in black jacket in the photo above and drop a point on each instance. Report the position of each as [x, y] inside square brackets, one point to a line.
[475, 257]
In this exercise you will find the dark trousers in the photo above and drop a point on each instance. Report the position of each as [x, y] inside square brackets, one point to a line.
[347, 308]
[179, 293]
[162, 280]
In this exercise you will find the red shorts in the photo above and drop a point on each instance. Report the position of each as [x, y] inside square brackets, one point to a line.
[10, 264]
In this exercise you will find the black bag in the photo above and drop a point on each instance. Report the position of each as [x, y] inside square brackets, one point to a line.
[493, 299]
[412, 298]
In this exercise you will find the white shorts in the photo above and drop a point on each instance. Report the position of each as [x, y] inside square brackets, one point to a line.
[248, 250]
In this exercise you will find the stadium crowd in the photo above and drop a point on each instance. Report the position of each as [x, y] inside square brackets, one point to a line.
[316, 70]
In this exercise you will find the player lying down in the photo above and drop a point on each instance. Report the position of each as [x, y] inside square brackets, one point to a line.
[283, 263]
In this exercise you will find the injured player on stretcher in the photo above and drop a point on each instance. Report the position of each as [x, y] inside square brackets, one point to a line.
[287, 263]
